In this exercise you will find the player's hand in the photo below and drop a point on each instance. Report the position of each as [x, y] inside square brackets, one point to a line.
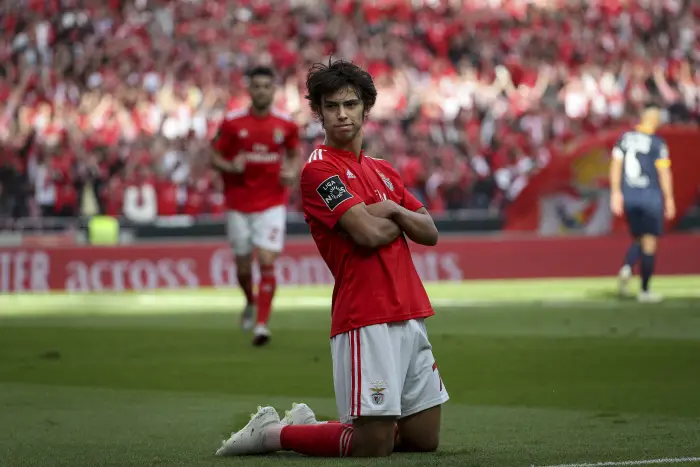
[670, 209]
[384, 209]
[237, 165]
[288, 176]
[616, 203]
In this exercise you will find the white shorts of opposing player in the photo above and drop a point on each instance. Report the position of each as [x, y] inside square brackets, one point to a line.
[264, 230]
[385, 370]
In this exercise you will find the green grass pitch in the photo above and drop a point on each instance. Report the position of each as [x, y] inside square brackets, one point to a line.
[540, 373]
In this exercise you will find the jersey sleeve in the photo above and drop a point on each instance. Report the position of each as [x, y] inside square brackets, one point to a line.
[663, 159]
[292, 140]
[408, 201]
[324, 196]
[223, 139]
[618, 152]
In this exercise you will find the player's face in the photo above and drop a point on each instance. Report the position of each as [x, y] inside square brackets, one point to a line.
[262, 91]
[652, 118]
[342, 114]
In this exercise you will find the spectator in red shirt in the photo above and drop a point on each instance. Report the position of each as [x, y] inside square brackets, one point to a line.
[167, 195]
[117, 81]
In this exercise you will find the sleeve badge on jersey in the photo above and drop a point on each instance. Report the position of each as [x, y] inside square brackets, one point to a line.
[278, 136]
[333, 192]
[386, 180]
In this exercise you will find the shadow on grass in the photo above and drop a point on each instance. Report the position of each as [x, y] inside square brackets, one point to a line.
[597, 294]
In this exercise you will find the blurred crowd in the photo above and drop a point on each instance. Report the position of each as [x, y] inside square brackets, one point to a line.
[474, 95]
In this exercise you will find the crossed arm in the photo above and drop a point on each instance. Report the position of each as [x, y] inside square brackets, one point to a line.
[379, 224]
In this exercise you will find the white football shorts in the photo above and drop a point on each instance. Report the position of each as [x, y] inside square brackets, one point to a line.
[264, 230]
[385, 370]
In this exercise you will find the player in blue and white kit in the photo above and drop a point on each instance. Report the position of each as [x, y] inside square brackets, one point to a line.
[641, 189]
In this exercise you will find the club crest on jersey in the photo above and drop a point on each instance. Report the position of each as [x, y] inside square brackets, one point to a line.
[377, 392]
[386, 180]
[278, 136]
[243, 133]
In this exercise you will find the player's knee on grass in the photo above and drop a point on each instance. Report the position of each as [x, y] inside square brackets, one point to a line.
[267, 258]
[648, 243]
[373, 436]
[244, 264]
[420, 432]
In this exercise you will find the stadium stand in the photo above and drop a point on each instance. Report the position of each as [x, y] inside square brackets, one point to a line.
[99, 96]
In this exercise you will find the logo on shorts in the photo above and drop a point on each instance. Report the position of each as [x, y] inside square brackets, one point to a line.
[377, 392]
[278, 136]
[386, 180]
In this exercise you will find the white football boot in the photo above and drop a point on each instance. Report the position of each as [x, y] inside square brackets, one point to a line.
[624, 277]
[248, 318]
[251, 439]
[301, 414]
[649, 297]
[261, 335]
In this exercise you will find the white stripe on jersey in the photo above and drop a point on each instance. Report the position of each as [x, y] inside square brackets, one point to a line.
[234, 114]
[316, 155]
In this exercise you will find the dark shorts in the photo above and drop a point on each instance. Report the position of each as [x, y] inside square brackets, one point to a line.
[645, 219]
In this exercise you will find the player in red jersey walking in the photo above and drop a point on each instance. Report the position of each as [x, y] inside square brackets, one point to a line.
[258, 155]
[388, 389]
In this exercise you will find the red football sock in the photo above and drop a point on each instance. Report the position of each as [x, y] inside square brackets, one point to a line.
[266, 291]
[322, 440]
[245, 280]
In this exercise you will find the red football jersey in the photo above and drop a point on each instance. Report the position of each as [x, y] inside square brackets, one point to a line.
[372, 286]
[262, 141]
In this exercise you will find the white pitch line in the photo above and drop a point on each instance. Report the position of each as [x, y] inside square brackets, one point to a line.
[675, 460]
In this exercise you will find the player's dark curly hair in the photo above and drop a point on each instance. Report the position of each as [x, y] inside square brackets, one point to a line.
[323, 80]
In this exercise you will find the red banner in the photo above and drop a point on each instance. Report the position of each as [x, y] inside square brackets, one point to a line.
[193, 265]
[572, 192]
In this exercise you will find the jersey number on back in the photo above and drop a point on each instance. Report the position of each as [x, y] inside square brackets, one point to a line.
[634, 176]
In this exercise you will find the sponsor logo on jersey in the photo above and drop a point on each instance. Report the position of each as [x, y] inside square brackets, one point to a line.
[260, 157]
[349, 174]
[261, 154]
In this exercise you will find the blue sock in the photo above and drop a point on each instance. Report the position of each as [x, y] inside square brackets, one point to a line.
[647, 270]
[633, 254]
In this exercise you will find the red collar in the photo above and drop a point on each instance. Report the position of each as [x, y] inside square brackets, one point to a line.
[342, 152]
